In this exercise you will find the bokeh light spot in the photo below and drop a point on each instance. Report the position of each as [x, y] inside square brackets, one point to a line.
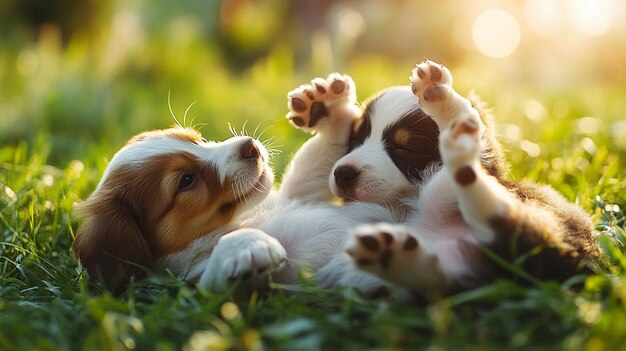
[534, 110]
[543, 16]
[591, 17]
[532, 149]
[27, 64]
[587, 125]
[496, 33]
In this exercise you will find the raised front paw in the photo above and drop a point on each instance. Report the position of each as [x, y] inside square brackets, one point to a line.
[245, 254]
[323, 102]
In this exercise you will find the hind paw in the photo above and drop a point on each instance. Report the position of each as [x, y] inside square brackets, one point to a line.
[384, 248]
[429, 81]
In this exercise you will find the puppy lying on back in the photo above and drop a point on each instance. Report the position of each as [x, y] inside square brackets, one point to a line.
[206, 211]
[456, 209]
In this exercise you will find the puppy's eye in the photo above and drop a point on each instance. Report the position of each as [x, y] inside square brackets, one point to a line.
[204, 140]
[185, 181]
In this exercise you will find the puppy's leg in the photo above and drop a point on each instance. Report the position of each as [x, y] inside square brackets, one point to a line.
[246, 254]
[326, 107]
[431, 268]
[432, 85]
[499, 218]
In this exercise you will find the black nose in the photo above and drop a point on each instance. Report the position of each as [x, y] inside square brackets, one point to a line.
[249, 149]
[346, 176]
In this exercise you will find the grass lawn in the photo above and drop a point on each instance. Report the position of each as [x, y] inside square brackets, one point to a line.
[61, 123]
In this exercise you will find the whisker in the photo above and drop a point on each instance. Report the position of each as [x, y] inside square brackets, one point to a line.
[263, 187]
[232, 130]
[169, 106]
[187, 111]
[272, 145]
[255, 130]
[243, 128]
[264, 130]
[199, 126]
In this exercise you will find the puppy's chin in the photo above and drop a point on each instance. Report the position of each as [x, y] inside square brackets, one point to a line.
[373, 194]
[354, 194]
[259, 190]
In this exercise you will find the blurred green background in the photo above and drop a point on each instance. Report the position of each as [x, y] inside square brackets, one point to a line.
[78, 77]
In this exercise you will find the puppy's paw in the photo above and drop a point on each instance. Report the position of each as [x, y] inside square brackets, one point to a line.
[395, 255]
[319, 104]
[432, 85]
[381, 248]
[248, 255]
[430, 81]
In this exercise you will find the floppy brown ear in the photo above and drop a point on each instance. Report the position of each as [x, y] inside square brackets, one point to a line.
[109, 242]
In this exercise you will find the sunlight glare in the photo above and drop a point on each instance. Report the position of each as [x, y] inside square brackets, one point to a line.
[543, 16]
[591, 17]
[496, 33]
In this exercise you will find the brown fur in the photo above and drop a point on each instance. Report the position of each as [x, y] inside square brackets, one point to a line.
[555, 235]
[139, 215]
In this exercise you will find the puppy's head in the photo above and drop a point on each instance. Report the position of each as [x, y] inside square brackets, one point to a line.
[390, 148]
[160, 192]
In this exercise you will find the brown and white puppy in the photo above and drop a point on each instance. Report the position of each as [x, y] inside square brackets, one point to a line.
[470, 204]
[393, 146]
[162, 191]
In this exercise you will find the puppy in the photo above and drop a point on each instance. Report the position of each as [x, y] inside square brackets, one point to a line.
[393, 148]
[207, 211]
[464, 208]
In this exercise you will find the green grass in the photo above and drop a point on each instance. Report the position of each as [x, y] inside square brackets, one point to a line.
[58, 137]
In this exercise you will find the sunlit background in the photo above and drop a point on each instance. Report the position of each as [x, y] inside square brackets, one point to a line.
[78, 76]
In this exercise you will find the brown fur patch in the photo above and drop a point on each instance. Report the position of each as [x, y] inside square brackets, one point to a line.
[465, 175]
[556, 232]
[418, 136]
[184, 134]
[139, 214]
[402, 137]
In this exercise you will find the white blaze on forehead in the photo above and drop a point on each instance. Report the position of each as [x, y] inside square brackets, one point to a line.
[141, 151]
[389, 107]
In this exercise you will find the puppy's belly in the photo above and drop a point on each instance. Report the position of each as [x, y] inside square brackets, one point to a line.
[314, 234]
